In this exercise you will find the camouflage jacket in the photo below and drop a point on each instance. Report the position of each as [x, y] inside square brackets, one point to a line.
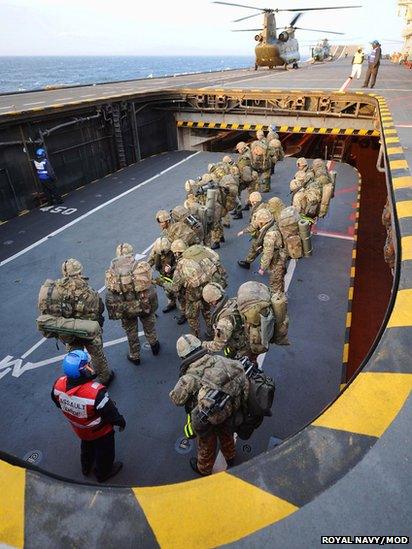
[210, 372]
[160, 261]
[273, 248]
[181, 230]
[228, 328]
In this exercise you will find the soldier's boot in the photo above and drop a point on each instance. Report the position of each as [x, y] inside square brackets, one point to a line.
[193, 465]
[181, 318]
[266, 185]
[243, 264]
[215, 245]
[149, 328]
[237, 215]
[246, 207]
[130, 327]
[226, 221]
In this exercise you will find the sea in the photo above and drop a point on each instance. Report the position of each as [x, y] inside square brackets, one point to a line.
[30, 73]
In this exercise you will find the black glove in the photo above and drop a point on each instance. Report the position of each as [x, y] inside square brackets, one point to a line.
[101, 321]
[122, 424]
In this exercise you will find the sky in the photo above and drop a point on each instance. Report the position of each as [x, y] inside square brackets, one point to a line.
[181, 27]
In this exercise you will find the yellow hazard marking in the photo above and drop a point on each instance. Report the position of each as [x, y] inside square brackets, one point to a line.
[190, 124]
[369, 404]
[404, 208]
[348, 131]
[394, 150]
[402, 311]
[390, 132]
[212, 124]
[363, 132]
[352, 272]
[12, 490]
[226, 509]
[345, 353]
[200, 124]
[283, 129]
[296, 129]
[235, 126]
[246, 126]
[335, 131]
[402, 182]
[354, 253]
[350, 293]
[348, 320]
[387, 118]
[406, 245]
[310, 129]
[342, 386]
[398, 165]
[323, 130]
[376, 133]
[223, 125]
[390, 140]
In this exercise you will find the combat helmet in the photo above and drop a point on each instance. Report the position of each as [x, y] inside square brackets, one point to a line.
[161, 245]
[186, 344]
[255, 197]
[162, 216]
[124, 249]
[206, 177]
[241, 146]
[212, 292]
[179, 213]
[302, 163]
[72, 267]
[178, 246]
[227, 159]
[262, 217]
[275, 143]
[260, 134]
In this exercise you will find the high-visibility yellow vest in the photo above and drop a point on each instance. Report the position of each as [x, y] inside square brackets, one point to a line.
[358, 58]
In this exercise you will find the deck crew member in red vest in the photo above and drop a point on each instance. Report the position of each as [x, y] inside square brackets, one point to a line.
[91, 413]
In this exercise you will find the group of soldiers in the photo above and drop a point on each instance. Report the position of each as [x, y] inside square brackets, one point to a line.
[194, 281]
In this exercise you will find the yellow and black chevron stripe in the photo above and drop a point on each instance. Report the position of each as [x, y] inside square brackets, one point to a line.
[345, 356]
[281, 129]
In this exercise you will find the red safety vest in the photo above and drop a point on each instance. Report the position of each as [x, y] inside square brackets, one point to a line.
[78, 405]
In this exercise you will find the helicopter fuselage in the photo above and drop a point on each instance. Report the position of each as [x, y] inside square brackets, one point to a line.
[277, 53]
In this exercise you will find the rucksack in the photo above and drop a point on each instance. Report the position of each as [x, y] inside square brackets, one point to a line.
[127, 276]
[288, 226]
[255, 306]
[260, 157]
[131, 305]
[201, 265]
[52, 326]
[69, 298]
[259, 402]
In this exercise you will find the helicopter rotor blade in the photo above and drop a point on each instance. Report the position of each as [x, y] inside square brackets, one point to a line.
[316, 9]
[295, 19]
[238, 5]
[319, 30]
[247, 30]
[247, 17]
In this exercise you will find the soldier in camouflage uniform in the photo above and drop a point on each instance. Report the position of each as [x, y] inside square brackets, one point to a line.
[145, 305]
[227, 323]
[200, 375]
[75, 286]
[261, 161]
[276, 152]
[164, 219]
[248, 177]
[257, 204]
[190, 291]
[274, 255]
[163, 260]
[180, 228]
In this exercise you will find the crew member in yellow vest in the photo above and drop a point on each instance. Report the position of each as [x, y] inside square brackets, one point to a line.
[357, 61]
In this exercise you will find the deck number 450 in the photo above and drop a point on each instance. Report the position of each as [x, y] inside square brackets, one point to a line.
[58, 210]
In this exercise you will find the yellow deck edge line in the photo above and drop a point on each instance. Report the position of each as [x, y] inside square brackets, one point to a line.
[12, 500]
[402, 311]
[209, 512]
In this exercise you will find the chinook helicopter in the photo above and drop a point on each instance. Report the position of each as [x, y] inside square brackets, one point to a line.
[280, 50]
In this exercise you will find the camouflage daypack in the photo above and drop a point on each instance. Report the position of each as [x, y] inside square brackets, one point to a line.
[260, 158]
[230, 188]
[288, 226]
[180, 230]
[201, 265]
[255, 306]
[130, 291]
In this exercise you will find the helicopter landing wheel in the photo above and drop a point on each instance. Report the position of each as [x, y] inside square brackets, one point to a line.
[295, 66]
[271, 67]
[256, 66]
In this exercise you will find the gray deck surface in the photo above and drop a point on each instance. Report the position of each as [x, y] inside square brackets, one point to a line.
[307, 373]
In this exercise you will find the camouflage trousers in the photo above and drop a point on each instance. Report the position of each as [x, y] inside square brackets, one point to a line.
[226, 220]
[194, 305]
[264, 181]
[216, 232]
[95, 350]
[130, 326]
[207, 446]
[277, 276]
[171, 298]
[253, 252]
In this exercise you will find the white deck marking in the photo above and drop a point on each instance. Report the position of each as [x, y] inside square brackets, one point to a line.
[333, 235]
[35, 346]
[94, 210]
[35, 103]
[220, 463]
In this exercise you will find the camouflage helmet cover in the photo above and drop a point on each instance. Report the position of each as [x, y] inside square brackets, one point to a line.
[212, 292]
[178, 246]
[275, 143]
[302, 162]
[318, 163]
[260, 134]
[189, 184]
[161, 245]
[206, 178]
[255, 197]
[124, 249]
[162, 216]
[241, 145]
[227, 159]
[72, 267]
[186, 344]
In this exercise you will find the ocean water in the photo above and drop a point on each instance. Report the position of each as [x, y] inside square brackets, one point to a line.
[28, 73]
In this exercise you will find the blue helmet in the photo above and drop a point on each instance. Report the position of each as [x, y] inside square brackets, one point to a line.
[74, 362]
[41, 152]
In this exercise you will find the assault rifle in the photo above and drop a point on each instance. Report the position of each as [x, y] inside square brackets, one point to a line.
[217, 400]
